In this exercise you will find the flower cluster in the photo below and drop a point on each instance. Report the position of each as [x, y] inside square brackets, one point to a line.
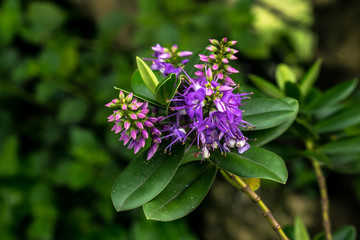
[167, 61]
[206, 110]
[218, 60]
[133, 124]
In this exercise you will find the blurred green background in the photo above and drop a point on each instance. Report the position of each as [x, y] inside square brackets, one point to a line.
[59, 61]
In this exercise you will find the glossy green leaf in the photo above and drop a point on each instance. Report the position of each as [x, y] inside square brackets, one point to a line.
[254, 163]
[183, 194]
[143, 179]
[265, 113]
[351, 145]
[266, 135]
[300, 230]
[167, 89]
[344, 233]
[265, 86]
[141, 91]
[284, 74]
[334, 95]
[307, 82]
[147, 75]
[346, 118]
[195, 59]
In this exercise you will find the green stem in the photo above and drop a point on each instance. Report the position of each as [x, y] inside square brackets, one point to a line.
[323, 193]
[235, 180]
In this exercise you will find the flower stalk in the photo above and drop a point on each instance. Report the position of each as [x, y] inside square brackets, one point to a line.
[257, 200]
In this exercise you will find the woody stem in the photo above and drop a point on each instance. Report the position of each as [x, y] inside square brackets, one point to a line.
[257, 200]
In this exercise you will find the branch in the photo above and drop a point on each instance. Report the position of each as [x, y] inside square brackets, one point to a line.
[256, 199]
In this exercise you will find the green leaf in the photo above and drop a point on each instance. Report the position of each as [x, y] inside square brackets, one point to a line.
[10, 21]
[304, 130]
[346, 163]
[166, 89]
[344, 233]
[143, 179]
[9, 162]
[351, 145]
[307, 82]
[147, 75]
[300, 230]
[266, 135]
[265, 113]
[284, 74]
[333, 96]
[265, 86]
[254, 163]
[195, 59]
[318, 155]
[346, 118]
[292, 90]
[44, 19]
[141, 91]
[183, 194]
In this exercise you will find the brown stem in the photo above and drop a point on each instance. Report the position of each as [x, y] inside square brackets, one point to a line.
[324, 199]
[323, 193]
[257, 200]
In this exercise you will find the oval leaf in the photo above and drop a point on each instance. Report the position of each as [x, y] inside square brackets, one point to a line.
[254, 163]
[307, 82]
[284, 74]
[143, 179]
[147, 75]
[333, 96]
[265, 86]
[141, 91]
[265, 113]
[266, 135]
[183, 194]
[167, 89]
[339, 121]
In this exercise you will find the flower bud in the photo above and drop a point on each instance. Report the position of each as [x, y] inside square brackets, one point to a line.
[214, 42]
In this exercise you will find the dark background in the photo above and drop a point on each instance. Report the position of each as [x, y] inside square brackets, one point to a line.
[59, 61]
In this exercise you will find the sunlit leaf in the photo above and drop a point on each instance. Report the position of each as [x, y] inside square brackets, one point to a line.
[143, 179]
[147, 75]
[307, 82]
[184, 192]
[284, 74]
[300, 230]
[254, 163]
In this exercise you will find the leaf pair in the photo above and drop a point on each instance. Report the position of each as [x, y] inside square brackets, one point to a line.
[166, 190]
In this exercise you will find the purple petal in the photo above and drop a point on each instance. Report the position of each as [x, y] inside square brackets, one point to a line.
[220, 105]
[185, 54]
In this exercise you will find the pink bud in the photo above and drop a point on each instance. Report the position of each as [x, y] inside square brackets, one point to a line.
[199, 73]
[152, 151]
[212, 56]
[185, 54]
[225, 88]
[204, 58]
[118, 129]
[148, 124]
[230, 69]
[214, 41]
[144, 133]
[225, 60]
[215, 67]
[199, 66]
[133, 134]
[139, 125]
[141, 115]
[133, 116]
[126, 125]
